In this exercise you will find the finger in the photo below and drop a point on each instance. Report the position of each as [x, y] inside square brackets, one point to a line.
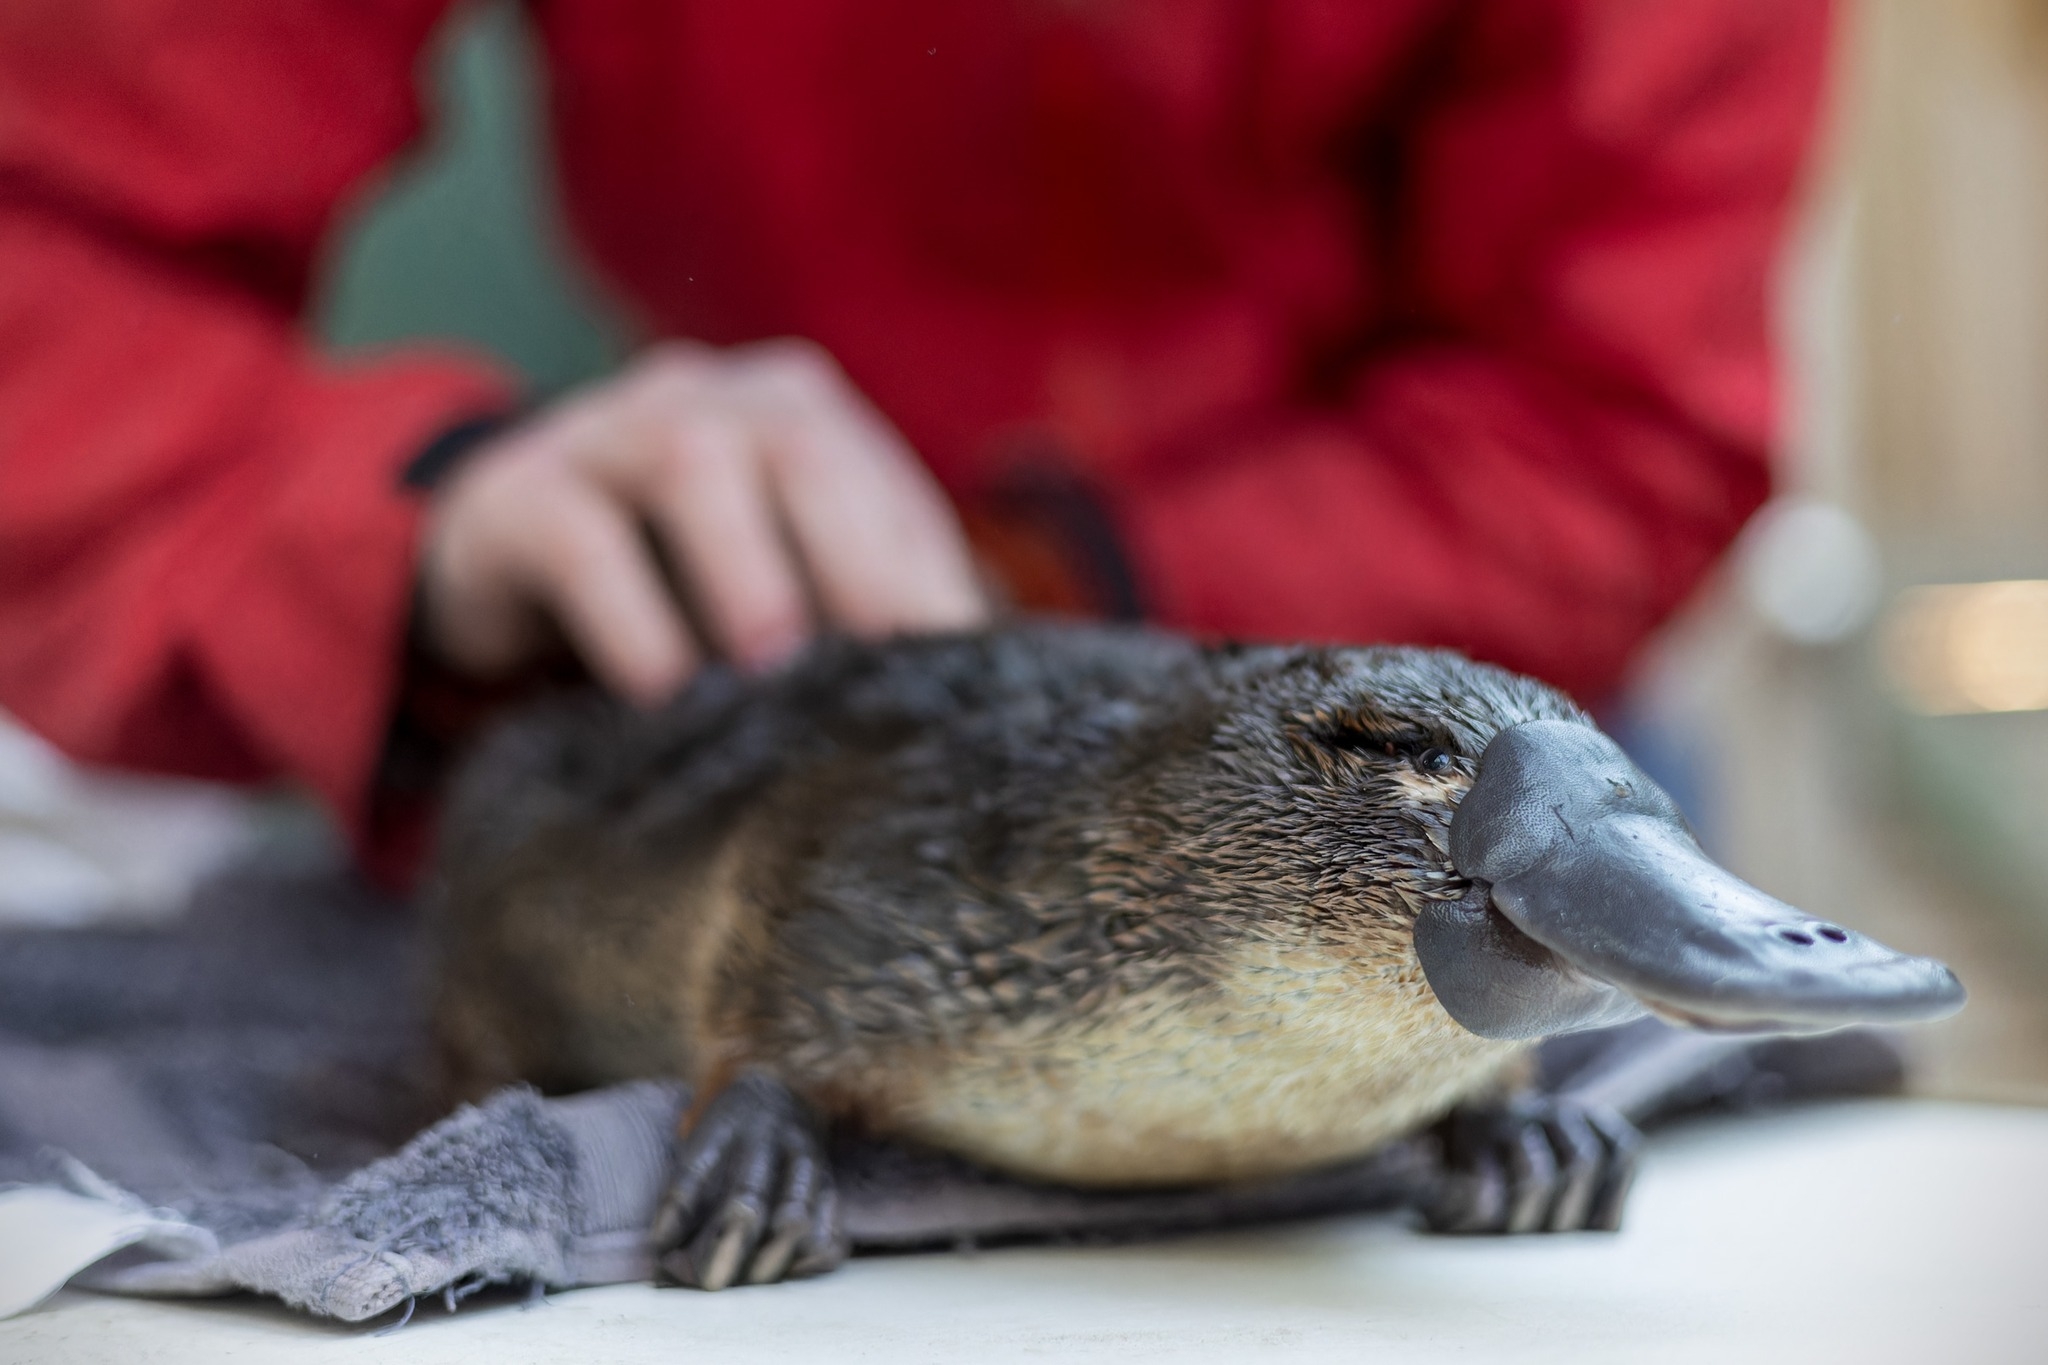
[472, 611]
[935, 550]
[884, 545]
[884, 549]
[591, 570]
[707, 492]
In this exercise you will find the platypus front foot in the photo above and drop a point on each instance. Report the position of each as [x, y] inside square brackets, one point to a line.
[1536, 1163]
[752, 1200]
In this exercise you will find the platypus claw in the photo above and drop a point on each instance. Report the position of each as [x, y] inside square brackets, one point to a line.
[752, 1200]
[1536, 1163]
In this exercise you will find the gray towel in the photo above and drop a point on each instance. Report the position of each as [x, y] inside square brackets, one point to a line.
[232, 1096]
[518, 1190]
[237, 1084]
[558, 1193]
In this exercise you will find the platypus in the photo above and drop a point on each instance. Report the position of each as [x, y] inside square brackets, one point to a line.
[1099, 906]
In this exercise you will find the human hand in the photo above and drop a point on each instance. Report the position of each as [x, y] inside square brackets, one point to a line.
[781, 499]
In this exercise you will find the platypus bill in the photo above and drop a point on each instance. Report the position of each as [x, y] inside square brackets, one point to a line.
[1093, 906]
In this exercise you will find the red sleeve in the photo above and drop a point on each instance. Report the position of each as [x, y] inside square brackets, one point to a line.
[205, 557]
[1571, 419]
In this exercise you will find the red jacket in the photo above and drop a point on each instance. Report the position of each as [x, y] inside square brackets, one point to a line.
[1429, 320]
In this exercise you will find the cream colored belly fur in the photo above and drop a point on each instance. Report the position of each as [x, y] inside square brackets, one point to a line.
[1298, 1058]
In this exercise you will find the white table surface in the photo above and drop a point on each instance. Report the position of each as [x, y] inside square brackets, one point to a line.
[1868, 1233]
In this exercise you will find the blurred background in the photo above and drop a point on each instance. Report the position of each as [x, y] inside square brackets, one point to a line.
[1855, 709]
[1870, 744]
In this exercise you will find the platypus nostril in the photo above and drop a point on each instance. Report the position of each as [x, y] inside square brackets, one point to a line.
[1794, 936]
[1832, 934]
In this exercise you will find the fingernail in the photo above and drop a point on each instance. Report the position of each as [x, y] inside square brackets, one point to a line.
[770, 650]
[656, 687]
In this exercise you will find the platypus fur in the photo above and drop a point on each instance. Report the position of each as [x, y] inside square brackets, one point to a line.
[1090, 905]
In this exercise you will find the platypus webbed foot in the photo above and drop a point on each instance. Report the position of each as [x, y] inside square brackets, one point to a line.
[1537, 1163]
[752, 1200]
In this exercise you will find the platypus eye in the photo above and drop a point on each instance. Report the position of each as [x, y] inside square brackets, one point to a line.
[1433, 760]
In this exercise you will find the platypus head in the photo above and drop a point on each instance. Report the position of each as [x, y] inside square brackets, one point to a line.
[1479, 820]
